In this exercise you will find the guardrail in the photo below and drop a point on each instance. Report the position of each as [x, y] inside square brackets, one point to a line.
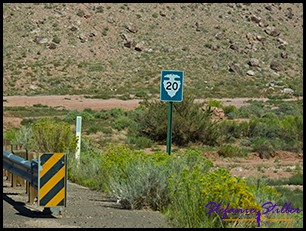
[28, 170]
[46, 175]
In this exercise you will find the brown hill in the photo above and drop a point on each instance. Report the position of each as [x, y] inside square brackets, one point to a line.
[119, 50]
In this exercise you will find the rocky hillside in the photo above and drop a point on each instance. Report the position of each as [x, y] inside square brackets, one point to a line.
[119, 50]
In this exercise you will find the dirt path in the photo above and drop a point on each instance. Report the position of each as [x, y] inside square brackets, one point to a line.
[80, 102]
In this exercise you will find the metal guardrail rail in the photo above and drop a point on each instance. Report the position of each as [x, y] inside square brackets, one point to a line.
[27, 170]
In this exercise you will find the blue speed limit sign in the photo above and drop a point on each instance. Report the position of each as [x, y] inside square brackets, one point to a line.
[171, 86]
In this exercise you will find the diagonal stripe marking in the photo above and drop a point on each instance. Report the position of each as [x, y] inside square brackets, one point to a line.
[49, 163]
[57, 198]
[52, 182]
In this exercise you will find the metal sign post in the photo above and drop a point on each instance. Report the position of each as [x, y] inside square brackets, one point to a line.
[169, 131]
[171, 90]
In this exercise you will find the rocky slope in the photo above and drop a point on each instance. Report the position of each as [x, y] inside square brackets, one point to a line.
[117, 49]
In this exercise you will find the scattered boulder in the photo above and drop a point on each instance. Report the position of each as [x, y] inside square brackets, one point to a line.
[214, 47]
[199, 27]
[254, 62]
[139, 46]
[269, 8]
[274, 65]
[41, 40]
[82, 38]
[73, 28]
[162, 14]
[284, 55]
[250, 36]
[263, 24]
[131, 28]
[234, 67]
[234, 47]
[220, 35]
[255, 19]
[288, 91]
[263, 40]
[217, 114]
[272, 31]
[282, 41]
[52, 46]
[250, 73]
[128, 44]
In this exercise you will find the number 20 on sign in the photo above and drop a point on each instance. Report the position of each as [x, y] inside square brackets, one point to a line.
[171, 86]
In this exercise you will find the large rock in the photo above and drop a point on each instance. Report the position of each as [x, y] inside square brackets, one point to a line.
[131, 28]
[274, 65]
[234, 67]
[250, 73]
[139, 46]
[254, 62]
[255, 19]
[220, 35]
[234, 47]
[288, 91]
[41, 40]
[272, 31]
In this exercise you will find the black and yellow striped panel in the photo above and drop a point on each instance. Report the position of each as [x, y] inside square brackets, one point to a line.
[52, 180]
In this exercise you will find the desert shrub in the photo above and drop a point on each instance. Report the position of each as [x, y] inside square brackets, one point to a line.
[296, 179]
[191, 122]
[115, 113]
[122, 123]
[230, 111]
[277, 133]
[255, 109]
[228, 150]
[51, 136]
[215, 103]
[72, 115]
[27, 122]
[263, 147]
[56, 39]
[139, 142]
[192, 189]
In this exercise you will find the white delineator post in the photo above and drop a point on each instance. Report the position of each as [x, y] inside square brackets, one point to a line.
[78, 135]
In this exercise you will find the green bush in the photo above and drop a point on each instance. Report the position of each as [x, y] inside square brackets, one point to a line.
[72, 115]
[139, 142]
[51, 136]
[232, 151]
[230, 110]
[122, 123]
[191, 122]
[56, 39]
[263, 147]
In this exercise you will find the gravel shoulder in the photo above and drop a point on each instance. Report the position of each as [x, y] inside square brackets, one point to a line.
[85, 209]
